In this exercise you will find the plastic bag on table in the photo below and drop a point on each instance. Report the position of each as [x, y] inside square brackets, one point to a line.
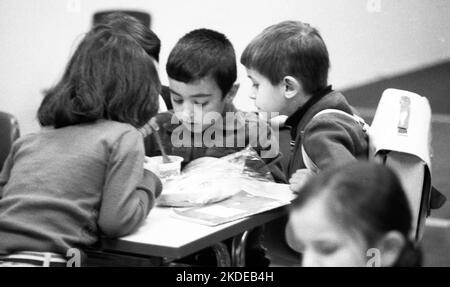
[208, 179]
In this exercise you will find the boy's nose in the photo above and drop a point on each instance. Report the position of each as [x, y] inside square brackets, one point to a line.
[186, 114]
[191, 112]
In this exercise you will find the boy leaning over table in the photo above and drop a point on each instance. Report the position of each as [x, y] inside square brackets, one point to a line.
[204, 122]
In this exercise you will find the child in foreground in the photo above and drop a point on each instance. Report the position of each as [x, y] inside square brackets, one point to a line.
[353, 215]
[82, 176]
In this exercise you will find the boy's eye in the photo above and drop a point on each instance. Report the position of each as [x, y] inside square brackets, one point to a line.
[177, 100]
[203, 104]
[255, 85]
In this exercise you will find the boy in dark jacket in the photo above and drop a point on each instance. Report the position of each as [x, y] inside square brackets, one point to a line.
[204, 122]
[288, 65]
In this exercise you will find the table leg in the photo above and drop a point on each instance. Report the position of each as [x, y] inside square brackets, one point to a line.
[222, 255]
[238, 249]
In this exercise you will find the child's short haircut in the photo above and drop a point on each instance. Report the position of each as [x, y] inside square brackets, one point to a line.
[109, 76]
[365, 197]
[289, 48]
[201, 53]
[142, 34]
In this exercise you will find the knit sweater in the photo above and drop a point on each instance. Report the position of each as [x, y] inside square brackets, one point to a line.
[249, 127]
[63, 188]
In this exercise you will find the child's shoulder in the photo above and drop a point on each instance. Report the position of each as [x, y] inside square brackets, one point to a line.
[110, 132]
[330, 110]
[331, 117]
[23, 139]
[108, 126]
[334, 127]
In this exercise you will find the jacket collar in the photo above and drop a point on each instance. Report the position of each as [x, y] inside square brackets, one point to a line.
[293, 120]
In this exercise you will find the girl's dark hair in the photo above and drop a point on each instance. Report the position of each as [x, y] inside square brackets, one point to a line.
[367, 197]
[148, 40]
[110, 76]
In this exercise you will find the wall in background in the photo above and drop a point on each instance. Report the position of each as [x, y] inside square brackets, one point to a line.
[367, 39]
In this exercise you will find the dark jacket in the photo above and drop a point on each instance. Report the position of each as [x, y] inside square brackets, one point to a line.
[329, 139]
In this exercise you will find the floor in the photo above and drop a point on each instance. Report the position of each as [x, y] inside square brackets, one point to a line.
[432, 82]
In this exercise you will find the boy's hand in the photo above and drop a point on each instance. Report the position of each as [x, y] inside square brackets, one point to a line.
[278, 121]
[299, 178]
[150, 127]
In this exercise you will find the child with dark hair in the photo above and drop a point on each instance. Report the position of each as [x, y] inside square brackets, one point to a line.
[148, 40]
[202, 73]
[204, 122]
[145, 37]
[82, 176]
[212, 55]
[353, 215]
[288, 64]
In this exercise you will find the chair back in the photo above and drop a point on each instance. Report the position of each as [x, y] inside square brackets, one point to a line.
[9, 132]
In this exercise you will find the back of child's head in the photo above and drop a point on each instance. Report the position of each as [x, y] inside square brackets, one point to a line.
[366, 197]
[289, 48]
[134, 28]
[203, 53]
[109, 76]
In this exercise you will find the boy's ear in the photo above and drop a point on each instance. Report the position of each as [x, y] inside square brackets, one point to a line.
[391, 246]
[291, 87]
[232, 93]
